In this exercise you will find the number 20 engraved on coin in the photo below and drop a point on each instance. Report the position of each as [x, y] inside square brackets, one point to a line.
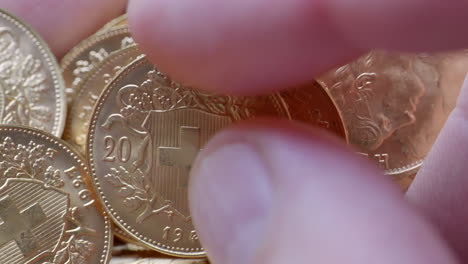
[145, 133]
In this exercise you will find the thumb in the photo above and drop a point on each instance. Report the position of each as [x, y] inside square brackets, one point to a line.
[273, 192]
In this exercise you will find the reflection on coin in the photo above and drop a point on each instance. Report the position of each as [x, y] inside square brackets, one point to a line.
[311, 104]
[394, 105]
[30, 79]
[115, 23]
[145, 132]
[88, 92]
[88, 54]
[48, 214]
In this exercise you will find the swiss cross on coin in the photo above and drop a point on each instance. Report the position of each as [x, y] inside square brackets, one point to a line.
[182, 156]
[17, 225]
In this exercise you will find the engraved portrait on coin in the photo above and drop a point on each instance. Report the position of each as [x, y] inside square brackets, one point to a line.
[145, 133]
[389, 106]
[32, 85]
[48, 215]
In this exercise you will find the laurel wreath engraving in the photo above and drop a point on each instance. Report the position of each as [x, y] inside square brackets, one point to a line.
[159, 93]
[23, 79]
[27, 161]
[77, 249]
[33, 161]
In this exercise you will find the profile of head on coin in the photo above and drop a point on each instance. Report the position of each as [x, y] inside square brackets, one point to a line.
[378, 95]
[49, 215]
[33, 88]
[394, 105]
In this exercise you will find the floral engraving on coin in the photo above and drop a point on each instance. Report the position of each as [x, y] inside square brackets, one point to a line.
[145, 104]
[23, 80]
[33, 161]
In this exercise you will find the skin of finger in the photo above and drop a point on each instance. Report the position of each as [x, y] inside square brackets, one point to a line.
[440, 189]
[247, 46]
[257, 46]
[415, 26]
[329, 205]
[64, 23]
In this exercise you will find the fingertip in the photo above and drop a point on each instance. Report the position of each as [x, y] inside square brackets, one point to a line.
[275, 190]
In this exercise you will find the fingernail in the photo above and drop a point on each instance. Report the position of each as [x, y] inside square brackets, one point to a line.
[230, 199]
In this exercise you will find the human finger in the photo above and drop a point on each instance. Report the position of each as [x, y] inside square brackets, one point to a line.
[63, 23]
[257, 46]
[273, 192]
[440, 189]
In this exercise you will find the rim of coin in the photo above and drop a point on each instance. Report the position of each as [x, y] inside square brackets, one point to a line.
[89, 43]
[96, 72]
[338, 129]
[82, 48]
[52, 67]
[105, 255]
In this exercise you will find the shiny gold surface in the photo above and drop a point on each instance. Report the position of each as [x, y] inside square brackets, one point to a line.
[48, 214]
[145, 132]
[77, 64]
[122, 235]
[33, 89]
[394, 105]
[88, 92]
[311, 104]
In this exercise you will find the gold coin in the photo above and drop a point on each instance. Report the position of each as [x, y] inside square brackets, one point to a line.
[33, 88]
[48, 213]
[122, 235]
[145, 132]
[394, 105]
[89, 53]
[115, 23]
[311, 104]
[88, 92]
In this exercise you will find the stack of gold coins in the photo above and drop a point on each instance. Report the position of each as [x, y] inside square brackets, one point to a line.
[131, 132]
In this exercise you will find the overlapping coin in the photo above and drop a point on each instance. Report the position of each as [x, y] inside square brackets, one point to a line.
[145, 132]
[88, 92]
[394, 105]
[32, 88]
[89, 53]
[49, 215]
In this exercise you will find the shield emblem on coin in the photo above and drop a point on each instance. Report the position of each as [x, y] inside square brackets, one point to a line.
[177, 136]
[32, 220]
